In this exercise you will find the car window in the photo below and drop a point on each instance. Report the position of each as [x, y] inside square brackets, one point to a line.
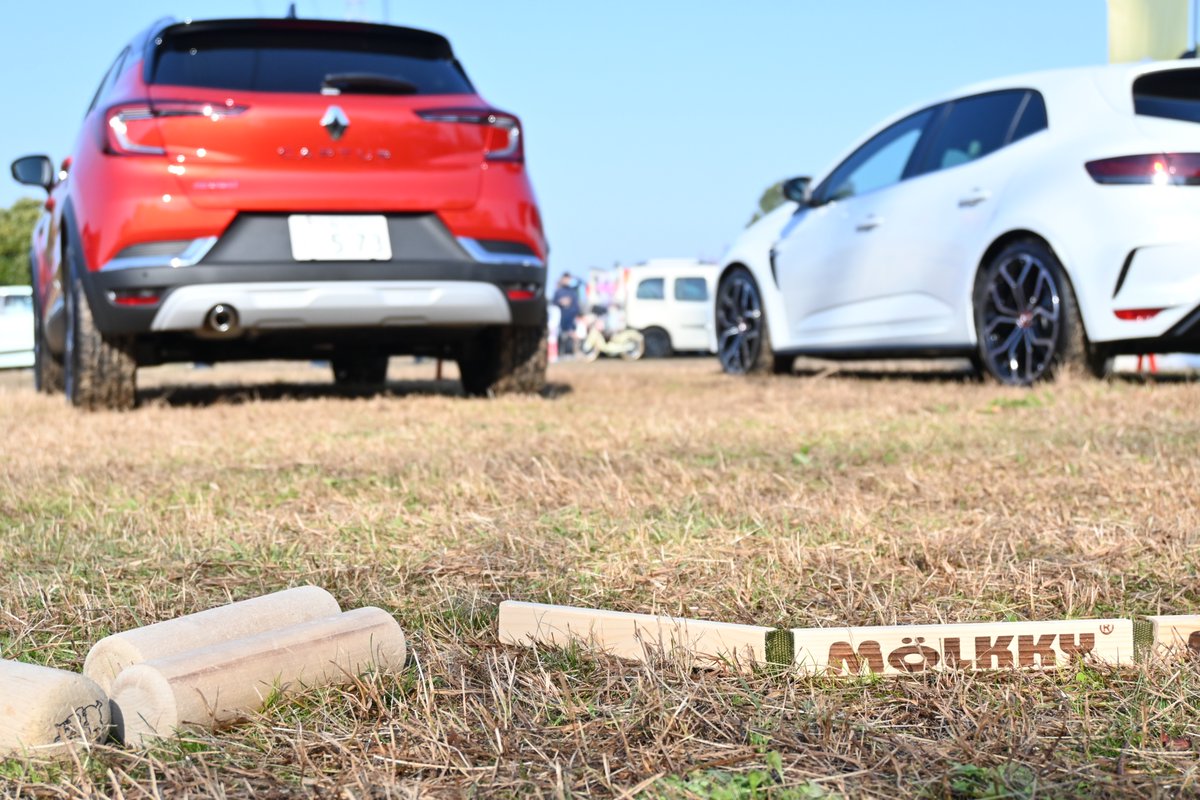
[879, 163]
[286, 60]
[16, 304]
[109, 79]
[691, 290]
[1033, 118]
[651, 289]
[975, 127]
[1171, 94]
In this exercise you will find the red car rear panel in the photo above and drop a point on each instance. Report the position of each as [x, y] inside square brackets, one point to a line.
[275, 155]
[189, 158]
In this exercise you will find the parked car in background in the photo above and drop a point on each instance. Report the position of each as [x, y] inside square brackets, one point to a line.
[1027, 223]
[669, 300]
[16, 327]
[284, 188]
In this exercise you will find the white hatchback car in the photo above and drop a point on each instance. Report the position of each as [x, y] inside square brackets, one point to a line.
[1025, 223]
[16, 327]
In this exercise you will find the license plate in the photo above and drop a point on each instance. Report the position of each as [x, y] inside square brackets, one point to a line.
[339, 238]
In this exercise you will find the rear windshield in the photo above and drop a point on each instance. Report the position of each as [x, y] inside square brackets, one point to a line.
[1174, 94]
[300, 60]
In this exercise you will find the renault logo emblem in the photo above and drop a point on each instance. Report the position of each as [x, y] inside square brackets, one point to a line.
[335, 121]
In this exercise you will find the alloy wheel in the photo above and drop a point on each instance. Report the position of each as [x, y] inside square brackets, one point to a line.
[739, 323]
[1021, 320]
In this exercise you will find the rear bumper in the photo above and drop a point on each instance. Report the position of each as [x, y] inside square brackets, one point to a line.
[359, 294]
[1160, 276]
[1165, 279]
[433, 280]
[1127, 248]
[1182, 337]
[336, 304]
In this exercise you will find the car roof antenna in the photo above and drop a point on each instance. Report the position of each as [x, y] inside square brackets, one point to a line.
[291, 11]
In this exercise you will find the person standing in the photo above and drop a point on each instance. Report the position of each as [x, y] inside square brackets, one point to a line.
[567, 300]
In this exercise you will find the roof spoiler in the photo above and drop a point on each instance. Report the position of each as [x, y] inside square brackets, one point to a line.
[437, 45]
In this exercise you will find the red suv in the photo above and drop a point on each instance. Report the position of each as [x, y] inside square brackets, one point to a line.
[247, 189]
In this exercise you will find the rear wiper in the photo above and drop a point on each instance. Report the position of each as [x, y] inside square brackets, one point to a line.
[366, 83]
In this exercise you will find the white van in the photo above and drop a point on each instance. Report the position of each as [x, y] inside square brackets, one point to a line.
[16, 327]
[671, 301]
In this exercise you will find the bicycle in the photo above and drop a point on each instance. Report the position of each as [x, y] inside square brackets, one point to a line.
[628, 343]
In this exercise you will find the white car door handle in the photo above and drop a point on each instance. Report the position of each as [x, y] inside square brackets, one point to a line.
[974, 198]
[869, 224]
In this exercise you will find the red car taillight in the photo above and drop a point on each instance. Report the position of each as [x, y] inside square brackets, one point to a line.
[130, 129]
[1161, 169]
[1137, 314]
[504, 130]
[134, 297]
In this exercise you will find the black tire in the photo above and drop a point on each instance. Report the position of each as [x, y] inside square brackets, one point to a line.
[743, 339]
[635, 345]
[362, 371]
[49, 377]
[508, 360]
[658, 343]
[1027, 321]
[99, 373]
[1099, 362]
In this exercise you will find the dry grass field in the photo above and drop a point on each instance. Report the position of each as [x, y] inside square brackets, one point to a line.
[826, 498]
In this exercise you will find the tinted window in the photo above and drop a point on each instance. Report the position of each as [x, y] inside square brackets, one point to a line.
[880, 162]
[1033, 118]
[298, 60]
[651, 289]
[1174, 95]
[16, 304]
[109, 79]
[691, 289]
[974, 128]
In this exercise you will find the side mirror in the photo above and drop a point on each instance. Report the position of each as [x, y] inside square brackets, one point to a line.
[798, 190]
[34, 171]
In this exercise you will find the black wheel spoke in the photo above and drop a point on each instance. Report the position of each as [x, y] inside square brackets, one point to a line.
[1000, 319]
[994, 294]
[1019, 286]
[1006, 348]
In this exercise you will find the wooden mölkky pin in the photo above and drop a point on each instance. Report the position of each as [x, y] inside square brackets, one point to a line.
[907, 649]
[44, 711]
[632, 635]
[883, 650]
[222, 683]
[1176, 632]
[114, 653]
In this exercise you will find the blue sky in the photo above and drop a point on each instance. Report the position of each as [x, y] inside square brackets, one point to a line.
[652, 127]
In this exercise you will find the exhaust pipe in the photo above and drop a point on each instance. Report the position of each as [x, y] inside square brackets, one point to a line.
[221, 319]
